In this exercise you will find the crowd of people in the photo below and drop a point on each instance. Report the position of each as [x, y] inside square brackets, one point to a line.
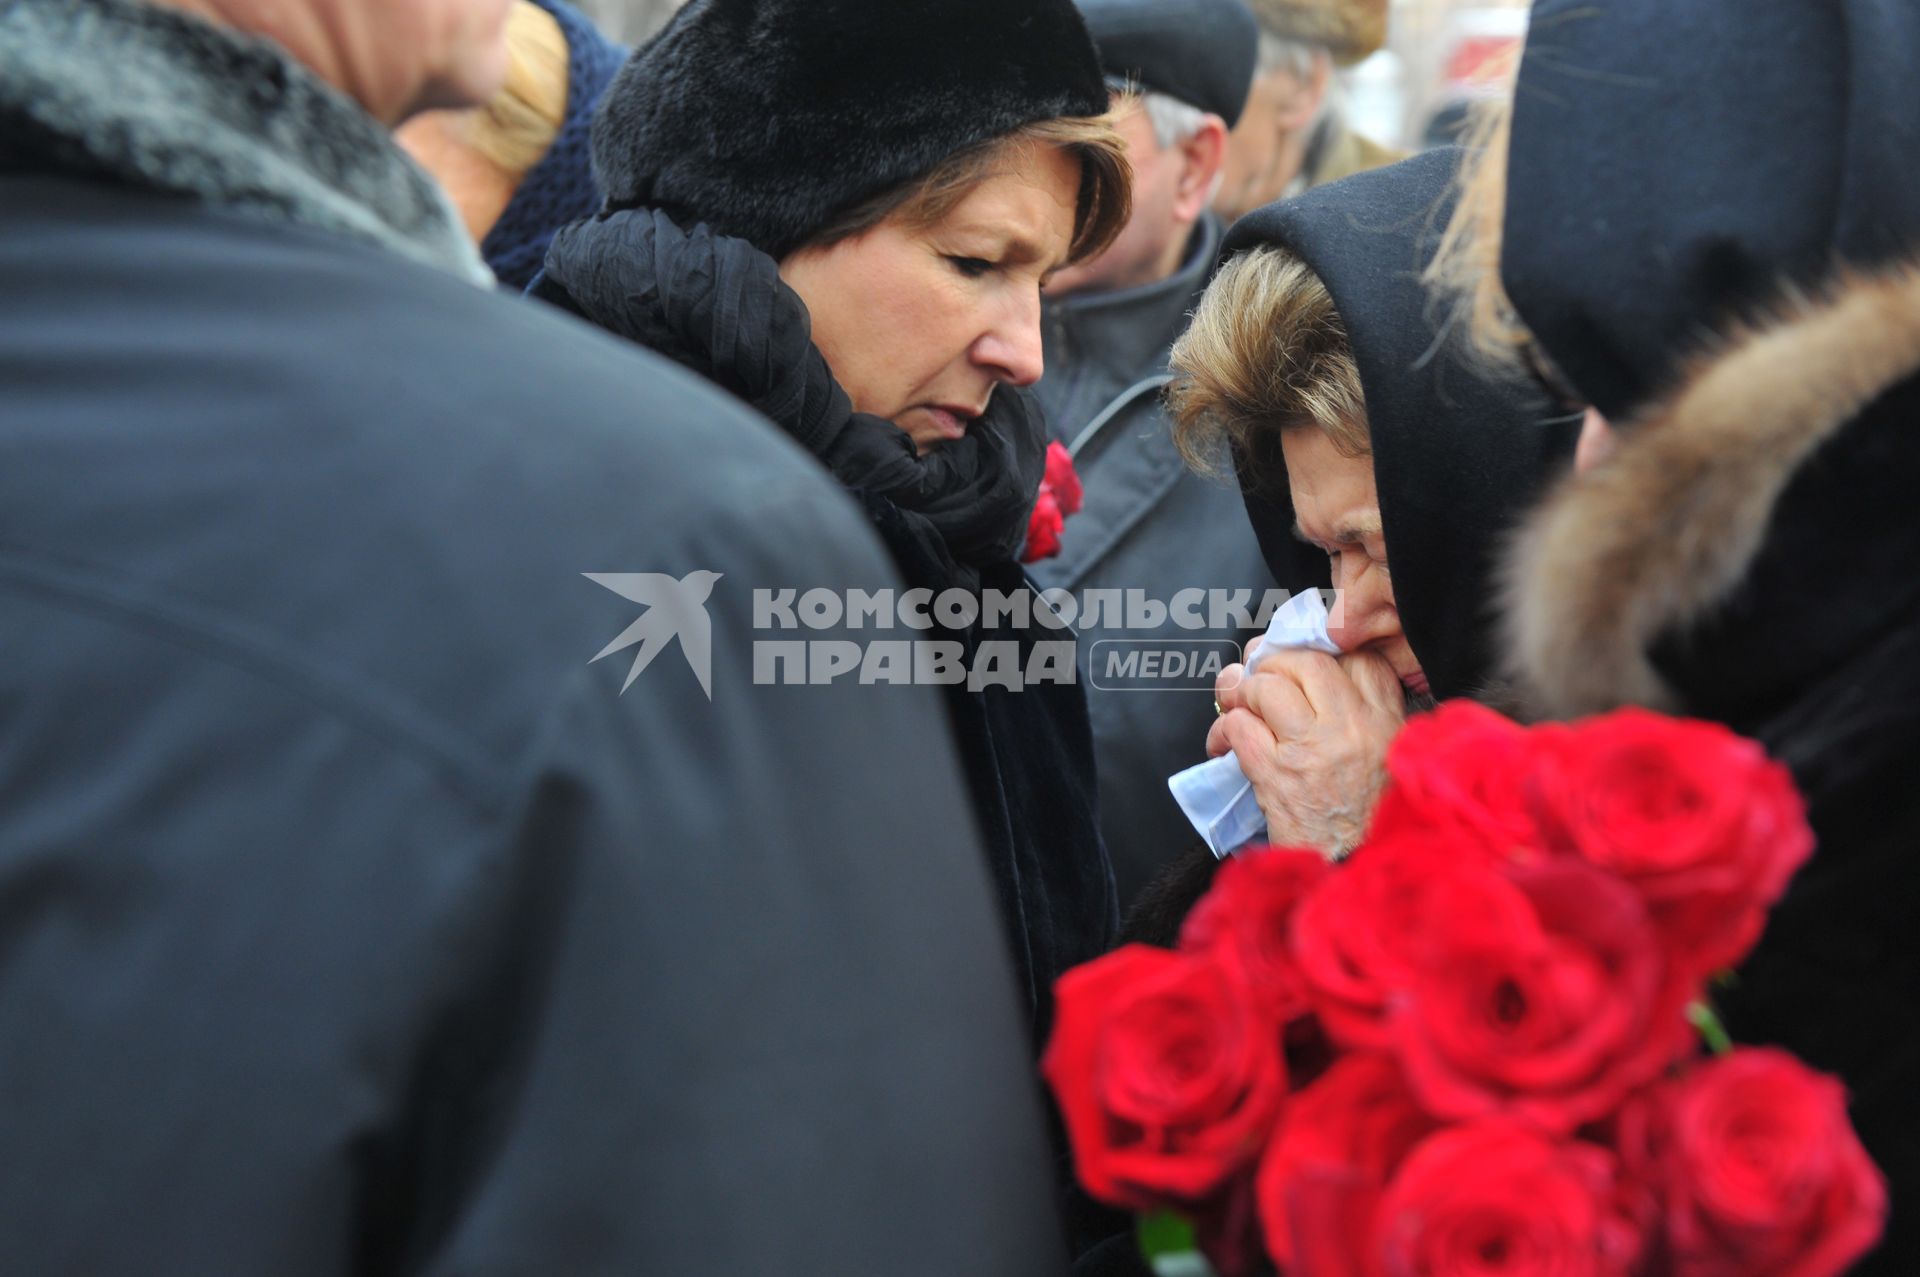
[356, 917]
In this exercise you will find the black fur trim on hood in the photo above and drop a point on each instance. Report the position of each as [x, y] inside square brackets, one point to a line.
[766, 118]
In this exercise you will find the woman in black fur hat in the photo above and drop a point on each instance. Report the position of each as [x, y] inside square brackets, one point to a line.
[843, 211]
[1706, 217]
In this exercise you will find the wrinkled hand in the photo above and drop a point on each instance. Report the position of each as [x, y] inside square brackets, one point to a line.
[1311, 733]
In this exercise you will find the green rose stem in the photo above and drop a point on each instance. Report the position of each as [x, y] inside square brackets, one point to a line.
[1701, 1016]
[1166, 1239]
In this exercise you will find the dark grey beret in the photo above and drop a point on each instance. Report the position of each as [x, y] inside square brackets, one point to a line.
[1199, 51]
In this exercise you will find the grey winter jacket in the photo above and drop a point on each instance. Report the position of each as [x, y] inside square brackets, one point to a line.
[1149, 524]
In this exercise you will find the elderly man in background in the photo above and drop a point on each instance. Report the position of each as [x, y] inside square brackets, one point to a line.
[352, 920]
[1293, 135]
[1148, 523]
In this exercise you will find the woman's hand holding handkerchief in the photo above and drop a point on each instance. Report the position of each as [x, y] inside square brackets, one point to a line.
[1298, 755]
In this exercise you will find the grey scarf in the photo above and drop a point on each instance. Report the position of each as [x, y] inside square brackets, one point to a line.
[158, 99]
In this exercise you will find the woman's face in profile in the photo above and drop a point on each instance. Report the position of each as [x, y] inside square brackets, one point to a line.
[919, 324]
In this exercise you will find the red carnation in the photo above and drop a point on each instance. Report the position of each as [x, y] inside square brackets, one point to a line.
[1500, 1197]
[1462, 771]
[1760, 1173]
[1060, 496]
[1168, 1075]
[1044, 529]
[1555, 1018]
[1697, 818]
[1246, 919]
[1062, 478]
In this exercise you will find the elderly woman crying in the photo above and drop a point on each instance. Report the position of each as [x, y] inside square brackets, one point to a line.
[844, 212]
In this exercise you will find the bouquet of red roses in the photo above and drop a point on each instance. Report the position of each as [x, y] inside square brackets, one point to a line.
[1476, 1047]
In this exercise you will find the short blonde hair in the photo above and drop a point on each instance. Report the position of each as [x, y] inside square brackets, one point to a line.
[516, 128]
[1106, 183]
[1267, 351]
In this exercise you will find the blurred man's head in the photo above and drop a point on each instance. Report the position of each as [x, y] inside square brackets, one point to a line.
[1183, 68]
[1176, 150]
[1268, 147]
[1301, 41]
[394, 57]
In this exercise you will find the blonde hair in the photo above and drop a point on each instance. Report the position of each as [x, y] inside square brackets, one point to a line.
[515, 129]
[1464, 275]
[1266, 351]
[1106, 183]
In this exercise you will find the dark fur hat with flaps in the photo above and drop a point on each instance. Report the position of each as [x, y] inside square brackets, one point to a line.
[1711, 225]
[1458, 454]
[767, 118]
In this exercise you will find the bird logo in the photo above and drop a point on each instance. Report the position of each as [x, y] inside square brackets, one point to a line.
[674, 609]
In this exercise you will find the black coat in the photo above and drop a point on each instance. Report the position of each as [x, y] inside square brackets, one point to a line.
[1711, 228]
[351, 921]
[1793, 619]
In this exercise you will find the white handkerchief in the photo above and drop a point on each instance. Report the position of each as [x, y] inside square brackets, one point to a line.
[1216, 795]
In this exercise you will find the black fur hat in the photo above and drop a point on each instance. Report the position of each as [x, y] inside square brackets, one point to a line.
[766, 118]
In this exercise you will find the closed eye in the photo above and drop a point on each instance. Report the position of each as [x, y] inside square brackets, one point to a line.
[971, 267]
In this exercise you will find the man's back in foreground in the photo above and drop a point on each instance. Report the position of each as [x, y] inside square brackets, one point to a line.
[350, 921]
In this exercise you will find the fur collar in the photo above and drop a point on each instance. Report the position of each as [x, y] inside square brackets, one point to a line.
[1665, 530]
[158, 99]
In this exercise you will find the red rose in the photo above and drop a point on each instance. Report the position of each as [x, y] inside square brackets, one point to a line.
[1246, 919]
[1062, 478]
[1698, 819]
[1227, 1231]
[1462, 772]
[1338, 1143]
[1168, 1075]
[1759, 1170]
[1044, 528]
[1498, 1197]
[1555, 1018]
[1362, 935]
